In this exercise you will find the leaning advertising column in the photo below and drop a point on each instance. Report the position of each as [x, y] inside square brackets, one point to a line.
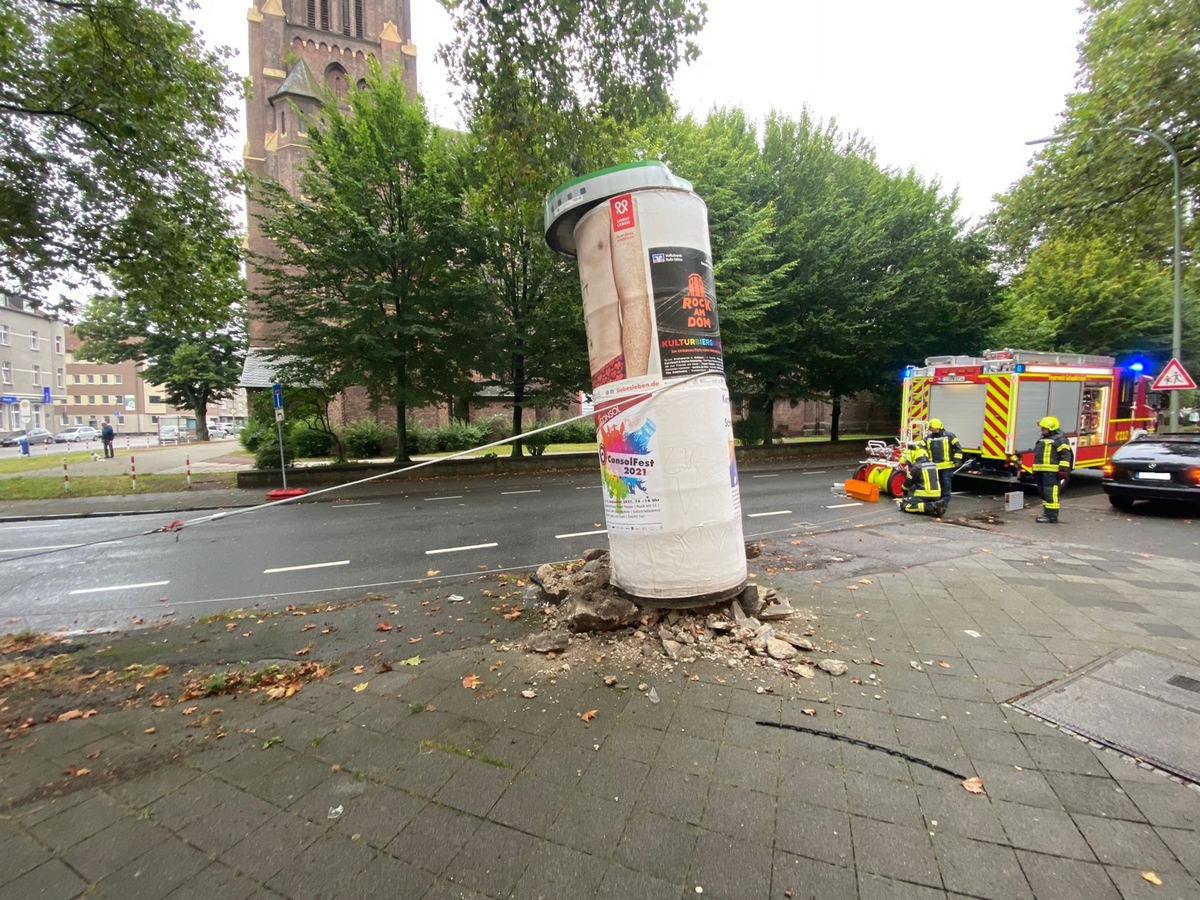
[670, 481]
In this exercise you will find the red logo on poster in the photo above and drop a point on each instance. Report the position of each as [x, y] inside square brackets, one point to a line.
[621, 209]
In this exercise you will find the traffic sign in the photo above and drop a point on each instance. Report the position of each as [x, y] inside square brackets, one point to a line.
[46, 394]
[1173, 378]
[279, 414]
[277, 395]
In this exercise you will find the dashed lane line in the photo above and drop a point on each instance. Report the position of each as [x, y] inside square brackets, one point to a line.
[324, 565]
[581, 534]
[778, 512]
[120, 587]
[457, 549]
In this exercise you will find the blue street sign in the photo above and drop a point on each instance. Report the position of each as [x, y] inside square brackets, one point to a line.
[277, 395]
[46, 394]
[8, 398]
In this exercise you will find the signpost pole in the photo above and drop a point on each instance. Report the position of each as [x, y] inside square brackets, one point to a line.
[277, 398]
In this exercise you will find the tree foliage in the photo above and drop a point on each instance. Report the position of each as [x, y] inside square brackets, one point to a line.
[111, 117]
[1101, 199]
[368, 271]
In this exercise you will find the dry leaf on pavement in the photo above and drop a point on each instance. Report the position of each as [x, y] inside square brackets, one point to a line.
[471, 681]
[589, 715]
[383, 626]
[359, 688]
[974, 785]
[1152, 878]
[189, 710]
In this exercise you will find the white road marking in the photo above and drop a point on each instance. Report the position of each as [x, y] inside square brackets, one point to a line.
[842, 505]
[581, 533]
[352, 505]
[56, 547]
[587, 487]
[120, 587]
[324, 565]
[455, 497]
[535, 491]
[780, 512]
[821, 472]
[456, 549]
[775, 475]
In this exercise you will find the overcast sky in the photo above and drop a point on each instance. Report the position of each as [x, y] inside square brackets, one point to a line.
[952, 88]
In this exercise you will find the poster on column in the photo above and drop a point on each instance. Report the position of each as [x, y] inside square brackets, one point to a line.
[630, 466]
[685, 311]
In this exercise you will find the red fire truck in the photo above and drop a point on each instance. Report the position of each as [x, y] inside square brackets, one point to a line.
[994, 402]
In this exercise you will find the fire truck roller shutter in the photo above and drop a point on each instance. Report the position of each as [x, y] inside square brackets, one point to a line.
[1065, 399]
[1038, 399]
[961, 407]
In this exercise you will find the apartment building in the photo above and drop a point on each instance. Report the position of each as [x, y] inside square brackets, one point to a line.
[32, 366]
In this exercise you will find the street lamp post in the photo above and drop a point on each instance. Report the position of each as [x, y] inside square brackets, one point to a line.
[1177, 323]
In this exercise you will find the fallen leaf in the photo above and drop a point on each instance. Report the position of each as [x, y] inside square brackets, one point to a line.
[876, 662]
[789, 893]
[415, 640]
[383, 626]
[150, 731]
[429, 707]
[69, 715]
[494, 666]
[309, 627]
[303, 651]
[809, 712]
[384, 667]
[79, 773]
[589, 715]
[95, 754]
[852, 587]
[471, 681]
[974, 785]
[528, 695]
[359, 688]
[1149, 876]
[511, 616]
[864, 581]
[943, 664]
[189, 710]
[411, 661]
[432, 572]
[139, 621]
[600, 658]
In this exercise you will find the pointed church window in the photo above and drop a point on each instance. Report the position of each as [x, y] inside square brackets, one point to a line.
[312, 14]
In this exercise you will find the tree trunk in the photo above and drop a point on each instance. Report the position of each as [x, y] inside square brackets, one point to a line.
[401, 413]
[518, 373]
[835, 420]
[768, 415]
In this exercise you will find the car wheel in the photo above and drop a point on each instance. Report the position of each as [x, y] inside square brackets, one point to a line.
[1121, 502]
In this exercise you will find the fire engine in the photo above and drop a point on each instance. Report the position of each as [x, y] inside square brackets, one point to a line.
[993, 404]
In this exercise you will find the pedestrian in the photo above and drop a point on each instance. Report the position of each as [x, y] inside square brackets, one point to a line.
[922, 488]
[106, 437]
[946, 452]
[1052, 460]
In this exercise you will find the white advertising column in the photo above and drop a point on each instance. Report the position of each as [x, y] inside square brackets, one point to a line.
[671, 499]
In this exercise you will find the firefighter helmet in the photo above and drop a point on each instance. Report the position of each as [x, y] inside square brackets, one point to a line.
[936, 425]
[913, 454]
[1049, 423]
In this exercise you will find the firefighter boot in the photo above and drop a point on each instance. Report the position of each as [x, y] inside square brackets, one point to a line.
[1048, 516]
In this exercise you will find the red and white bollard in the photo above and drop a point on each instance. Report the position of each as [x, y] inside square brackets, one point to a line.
[66, 477]
[189, 470]
[133, 473]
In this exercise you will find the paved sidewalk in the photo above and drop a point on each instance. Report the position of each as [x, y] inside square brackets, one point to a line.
[405, 783]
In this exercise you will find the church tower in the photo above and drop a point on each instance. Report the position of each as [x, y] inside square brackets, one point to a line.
[297, 50]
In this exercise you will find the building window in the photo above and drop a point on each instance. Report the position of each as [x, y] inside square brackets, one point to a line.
[60, 378]
[312, 14]
[282, 122]
[104, 379]
[76, 379]
[358, 18]
[6, 373]
[118, 379]
[324, 15]
[33, 339]
[37, 375]
[91, 379]
[92, 399]
[58, 347]
[4, 335]
[155, 398]
[345, 10]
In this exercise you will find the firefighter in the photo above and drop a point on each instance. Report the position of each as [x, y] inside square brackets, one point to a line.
[1051, 462]
[922, 489]
[946, 452]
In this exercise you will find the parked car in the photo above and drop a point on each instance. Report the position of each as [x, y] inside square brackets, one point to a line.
[1154, 467]
[171, 434]
[217, 430]
[34, 435]
[77, 433]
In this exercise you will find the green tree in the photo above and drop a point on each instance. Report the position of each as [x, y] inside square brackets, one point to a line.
[195, 365]
[552, 90]
[368, 275]
[1104, 195]
[880, 271]
[112, 115]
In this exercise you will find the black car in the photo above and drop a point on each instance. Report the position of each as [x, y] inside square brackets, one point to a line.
[34, 435]
[1154, 467]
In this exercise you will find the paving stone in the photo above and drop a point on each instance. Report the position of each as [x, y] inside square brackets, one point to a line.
[747, 768]
[1025, 786]
[799, 746]
[658, 846]
[881, 798]
[814, 783]
[872, 761]
[1124, 843]
[895, 851]
[378, 814]
[732, 869]
[107, 851]
[591, 824]
[475, 787]
[516, 747]
[216, 880]
[155, 873]
[494, 860]
[876, 887]
[809, 877]
[1094, 796]
[1163, 802]
[388, 877]
[434, 837]
[742, 814]
[276, 842]
[813, 831]
[229, 823]
[556, 871]
[1175, 882]
[326, 867]
[51, 880]
[629, 884]
[980, 869]
[1048, 831]
[20, 853]
[531, 805]
[86, 818]
[425, 773]
[1052, 876]
[692, 754]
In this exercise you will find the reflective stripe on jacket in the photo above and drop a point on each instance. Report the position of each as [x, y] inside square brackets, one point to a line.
[1051, 453]
[944, 449]
[923, 481]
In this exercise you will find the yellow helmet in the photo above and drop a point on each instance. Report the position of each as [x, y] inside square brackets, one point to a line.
[1049, 423]
[913, 454]
[936, 425]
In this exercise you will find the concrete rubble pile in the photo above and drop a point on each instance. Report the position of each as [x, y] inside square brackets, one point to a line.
[755, 630]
